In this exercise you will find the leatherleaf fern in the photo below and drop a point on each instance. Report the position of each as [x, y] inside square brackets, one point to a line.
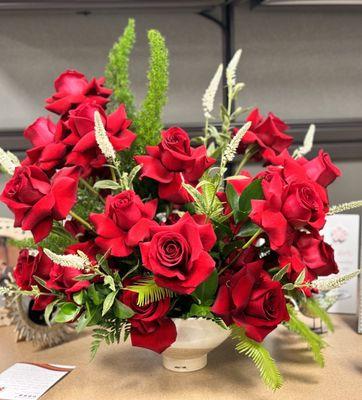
[261, 357]
[315, 342]
[148, 291]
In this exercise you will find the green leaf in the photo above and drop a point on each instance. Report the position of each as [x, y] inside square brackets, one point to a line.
[78, 297]
[122, 311]
[49, 310]
[82, 323]
[261, 357]
[232, 197]
[314, 341]
[85, 277]
[40, 281]
[66, 312]
[202, 311]
[107, 184]
[248, 229]
[207, 289]
[289, 286]
[108, 302]
[94, 295]
[280, 274]
[254, 191]
[148, 291]
[317, 311]
[300, 278]
[108, 281]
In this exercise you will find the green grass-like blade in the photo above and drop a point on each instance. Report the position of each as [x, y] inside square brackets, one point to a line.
[149, 292]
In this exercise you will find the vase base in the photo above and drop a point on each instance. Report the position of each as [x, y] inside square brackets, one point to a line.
[184, 365]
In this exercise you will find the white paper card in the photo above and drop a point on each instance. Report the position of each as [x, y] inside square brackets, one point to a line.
[29, 381]
[342, 233]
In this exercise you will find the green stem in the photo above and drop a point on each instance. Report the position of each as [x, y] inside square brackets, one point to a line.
[81, 220]
[249, 153]
[91, 189]
[113, 175]
[251, 240]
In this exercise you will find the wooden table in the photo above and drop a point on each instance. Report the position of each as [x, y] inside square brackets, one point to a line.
[122, 372]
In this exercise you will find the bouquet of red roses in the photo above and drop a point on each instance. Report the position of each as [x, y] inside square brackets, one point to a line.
[134, 225]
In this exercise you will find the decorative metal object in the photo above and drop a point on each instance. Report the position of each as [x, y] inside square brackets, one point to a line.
[28, 328]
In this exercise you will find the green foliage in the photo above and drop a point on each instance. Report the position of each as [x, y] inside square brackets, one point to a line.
[317, 311]
[87, 203]
[315, 342]
[205, 292]
[148, 291]
[117, 70]
[110, 332]
[148, 123]
[66, 312]
[261, 357]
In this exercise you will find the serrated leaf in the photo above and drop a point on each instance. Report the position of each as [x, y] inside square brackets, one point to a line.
[107, 184]
[108, 302]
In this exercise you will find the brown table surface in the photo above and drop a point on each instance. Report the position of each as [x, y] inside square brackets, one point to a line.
[123, 372]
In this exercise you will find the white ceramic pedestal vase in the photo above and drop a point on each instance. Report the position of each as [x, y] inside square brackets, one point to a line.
[195, 338]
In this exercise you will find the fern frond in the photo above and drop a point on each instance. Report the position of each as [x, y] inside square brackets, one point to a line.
[148, 123]
[314, 309]
[314, 341]
[307, 143]
[117, 71]
[149, 292]
[324, 285]
[260, 356]
[340, 208]
[208, 98]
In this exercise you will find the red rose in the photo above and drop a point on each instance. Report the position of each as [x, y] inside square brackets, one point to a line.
[317, 255]
[251, 300]
[267, 133]
[62, 279]
[172, 162]
[89, 248]
[47, 154]
[36, 201]
[73, 88]
[85, 151]
[321, 169]
[178, 254]
[28, 266]
[125, 222]
[150, 328]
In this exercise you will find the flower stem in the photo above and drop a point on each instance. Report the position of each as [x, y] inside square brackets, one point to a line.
[91, 189]
[81, 220]
[251, 240]
[249, 153]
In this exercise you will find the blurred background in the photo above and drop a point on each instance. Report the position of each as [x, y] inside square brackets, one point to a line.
[301, 61]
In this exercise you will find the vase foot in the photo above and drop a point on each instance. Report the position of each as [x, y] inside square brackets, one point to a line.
[184, 365]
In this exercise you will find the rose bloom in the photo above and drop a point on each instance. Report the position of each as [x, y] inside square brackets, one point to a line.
[27, 266]
[150, 328]
[125, 222]
[85, 151]
[36, 201]
[47, 153]
[292, 201]
[178, 254]
[73, 88]
[172, 162]
[266, 133]
[252, 300]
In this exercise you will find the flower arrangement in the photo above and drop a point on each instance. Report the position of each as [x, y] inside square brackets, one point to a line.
[134, 226]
